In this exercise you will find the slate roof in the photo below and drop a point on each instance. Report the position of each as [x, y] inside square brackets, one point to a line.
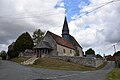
[60, 40]
[43, 44]
[74, 42]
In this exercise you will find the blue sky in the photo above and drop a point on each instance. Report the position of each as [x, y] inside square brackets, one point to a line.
[72, 7]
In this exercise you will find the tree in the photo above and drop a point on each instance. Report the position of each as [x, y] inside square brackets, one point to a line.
[3, 54]
[116, 54]
[11, 51]
[23, 42]
[117, 58]
[90, 52]
[37, 36]
[98, 56]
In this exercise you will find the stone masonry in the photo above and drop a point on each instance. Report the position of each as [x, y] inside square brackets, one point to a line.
[94, 62]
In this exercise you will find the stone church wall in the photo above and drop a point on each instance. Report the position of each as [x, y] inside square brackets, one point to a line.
[52, 42]
[68, 51]
[94, 62]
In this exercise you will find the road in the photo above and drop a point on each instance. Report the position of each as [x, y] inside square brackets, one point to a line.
[14, 71]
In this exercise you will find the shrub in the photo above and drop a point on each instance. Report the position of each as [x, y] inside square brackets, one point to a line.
[3, 55]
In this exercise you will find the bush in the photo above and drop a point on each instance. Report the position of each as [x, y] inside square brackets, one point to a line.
[13, 54]
[3, 55]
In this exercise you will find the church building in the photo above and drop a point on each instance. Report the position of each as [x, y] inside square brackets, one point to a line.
[54, 45]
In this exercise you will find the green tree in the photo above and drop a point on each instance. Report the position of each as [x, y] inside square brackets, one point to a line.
[37, 36]
[116, 54]
[11, 52]
[3, 54]
[23, 42]
[98, 56]
[117, 58]
[89, 52]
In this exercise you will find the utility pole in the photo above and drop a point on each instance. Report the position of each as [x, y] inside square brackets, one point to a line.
[114, 48]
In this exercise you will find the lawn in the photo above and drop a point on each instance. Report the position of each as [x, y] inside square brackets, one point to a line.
[55, 64]
[61, 65]
[114, 74]
[19, 59]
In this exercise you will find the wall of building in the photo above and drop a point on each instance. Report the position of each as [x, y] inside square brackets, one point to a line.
[48, 38]
[64, 51]
[81, 60]
[80, 51]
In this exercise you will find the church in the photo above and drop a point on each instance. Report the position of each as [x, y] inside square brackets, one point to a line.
[54, 45]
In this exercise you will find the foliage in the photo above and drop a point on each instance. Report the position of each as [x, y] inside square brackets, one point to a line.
[90, 51]
[23, 42]
[114, 74]
[13, 54]
[37, 36]
[3, 54]
[116, 53]
[117, 57]
[98, 56]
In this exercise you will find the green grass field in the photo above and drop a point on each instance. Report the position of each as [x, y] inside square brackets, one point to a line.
[19, 59]
[55, 64]
[114, 74]
[62, 65]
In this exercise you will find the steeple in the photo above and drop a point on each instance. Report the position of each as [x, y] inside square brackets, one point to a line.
[65, 30]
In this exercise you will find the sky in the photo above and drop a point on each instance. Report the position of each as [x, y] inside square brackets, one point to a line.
[94, 23]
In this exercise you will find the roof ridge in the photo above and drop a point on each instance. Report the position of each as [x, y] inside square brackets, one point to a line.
[60, 40]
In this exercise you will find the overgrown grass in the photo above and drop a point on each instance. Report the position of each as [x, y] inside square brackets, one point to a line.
[61, 65]
[114, 74]
[19, 59]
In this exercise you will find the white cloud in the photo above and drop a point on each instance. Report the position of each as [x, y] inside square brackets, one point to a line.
[17, 16]
[99, 28]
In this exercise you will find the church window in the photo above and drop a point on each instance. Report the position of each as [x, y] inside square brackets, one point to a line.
[63, 50]
[70, 51]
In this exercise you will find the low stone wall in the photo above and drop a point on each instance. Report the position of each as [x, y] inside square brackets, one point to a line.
[94, 62]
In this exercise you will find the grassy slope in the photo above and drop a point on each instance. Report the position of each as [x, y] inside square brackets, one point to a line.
[61, 65]
[19, 59]
[114, 74]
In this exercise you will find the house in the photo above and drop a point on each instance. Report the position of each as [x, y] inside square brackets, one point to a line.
[110, 58]
[54, 45]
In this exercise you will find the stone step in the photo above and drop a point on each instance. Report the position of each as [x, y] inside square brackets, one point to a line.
[30, 61]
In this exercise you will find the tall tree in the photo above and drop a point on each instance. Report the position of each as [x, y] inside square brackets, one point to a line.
[37, 36]
[23, 42]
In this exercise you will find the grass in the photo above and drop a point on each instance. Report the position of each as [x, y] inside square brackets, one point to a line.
[114, 74]
[19, 59]
[62, 65]
[55, 64]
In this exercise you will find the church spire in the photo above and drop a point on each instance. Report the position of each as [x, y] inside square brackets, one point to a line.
[65, 30]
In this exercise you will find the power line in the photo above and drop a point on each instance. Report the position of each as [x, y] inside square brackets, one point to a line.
[88, 12]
